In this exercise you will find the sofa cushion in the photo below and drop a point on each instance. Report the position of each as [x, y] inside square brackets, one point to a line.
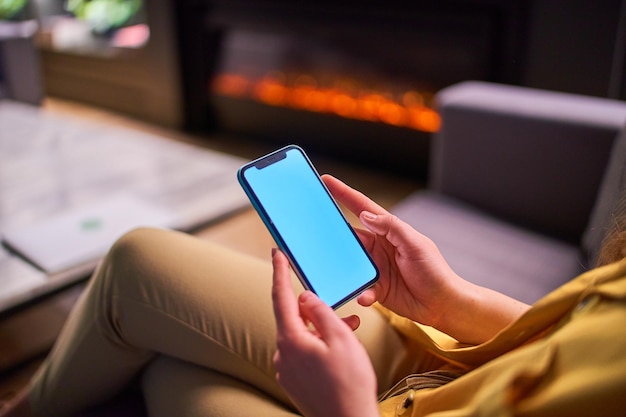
[533, 157]
[611, 201]
[489, 252]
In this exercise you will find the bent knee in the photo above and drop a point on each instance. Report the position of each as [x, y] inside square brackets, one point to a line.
[136, 248]
[137, 239]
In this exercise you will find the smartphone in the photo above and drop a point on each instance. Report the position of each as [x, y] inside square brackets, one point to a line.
[308, 225]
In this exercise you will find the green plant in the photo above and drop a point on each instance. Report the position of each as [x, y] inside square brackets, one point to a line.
[104, 15]
[10, 8]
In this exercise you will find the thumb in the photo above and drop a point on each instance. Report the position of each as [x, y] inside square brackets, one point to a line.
[379, 224]
[321, 316]
[383, 224]
[367, 297]
[400, 234]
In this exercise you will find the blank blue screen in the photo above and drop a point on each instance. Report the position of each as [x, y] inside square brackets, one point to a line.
[311, 227]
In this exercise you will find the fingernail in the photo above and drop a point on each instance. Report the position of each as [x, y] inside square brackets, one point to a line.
[273, 252]
[369, 216]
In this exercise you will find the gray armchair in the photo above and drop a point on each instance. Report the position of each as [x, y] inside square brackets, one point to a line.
[514, 199]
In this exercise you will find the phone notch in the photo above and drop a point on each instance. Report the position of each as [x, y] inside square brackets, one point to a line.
[271, 159]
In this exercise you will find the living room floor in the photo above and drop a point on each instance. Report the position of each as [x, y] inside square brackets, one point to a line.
[26, 334]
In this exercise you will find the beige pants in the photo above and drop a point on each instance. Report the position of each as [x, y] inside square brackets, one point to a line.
[195, 322]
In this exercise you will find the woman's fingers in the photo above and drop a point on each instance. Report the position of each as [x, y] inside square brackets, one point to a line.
[353, 200]
[353, 322]
[399, 234]
[367, 297]
[286, 309]
[291, 315]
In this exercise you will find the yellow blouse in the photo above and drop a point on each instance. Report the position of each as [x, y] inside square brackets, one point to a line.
[565, 357]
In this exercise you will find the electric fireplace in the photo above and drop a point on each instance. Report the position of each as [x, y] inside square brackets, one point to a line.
[352, 80]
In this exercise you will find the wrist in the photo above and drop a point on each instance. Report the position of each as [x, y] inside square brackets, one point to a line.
[444, 298]
[471, 304]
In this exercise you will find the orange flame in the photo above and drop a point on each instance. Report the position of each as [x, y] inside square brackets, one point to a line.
[343, 99]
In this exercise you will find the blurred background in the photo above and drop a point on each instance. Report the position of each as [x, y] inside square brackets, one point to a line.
[341, 77]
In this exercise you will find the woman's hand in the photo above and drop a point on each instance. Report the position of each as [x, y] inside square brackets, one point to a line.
[324, 368]
[416, 281]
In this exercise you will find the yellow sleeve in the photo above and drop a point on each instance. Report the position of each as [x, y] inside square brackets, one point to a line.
[568, 364]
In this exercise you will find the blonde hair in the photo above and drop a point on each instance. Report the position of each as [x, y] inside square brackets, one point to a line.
[614, 245]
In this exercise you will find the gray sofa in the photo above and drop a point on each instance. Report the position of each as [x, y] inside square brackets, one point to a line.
[515, 199]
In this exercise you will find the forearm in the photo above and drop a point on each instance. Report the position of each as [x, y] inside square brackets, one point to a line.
[475, 314]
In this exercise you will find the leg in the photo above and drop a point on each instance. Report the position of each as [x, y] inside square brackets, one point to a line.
[167, 293]
[175, 388]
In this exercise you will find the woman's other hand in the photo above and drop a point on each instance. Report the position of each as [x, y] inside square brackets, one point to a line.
[319, 361]
[416, 281]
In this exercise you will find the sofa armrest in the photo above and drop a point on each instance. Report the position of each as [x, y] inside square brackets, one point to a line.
[532, 157]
